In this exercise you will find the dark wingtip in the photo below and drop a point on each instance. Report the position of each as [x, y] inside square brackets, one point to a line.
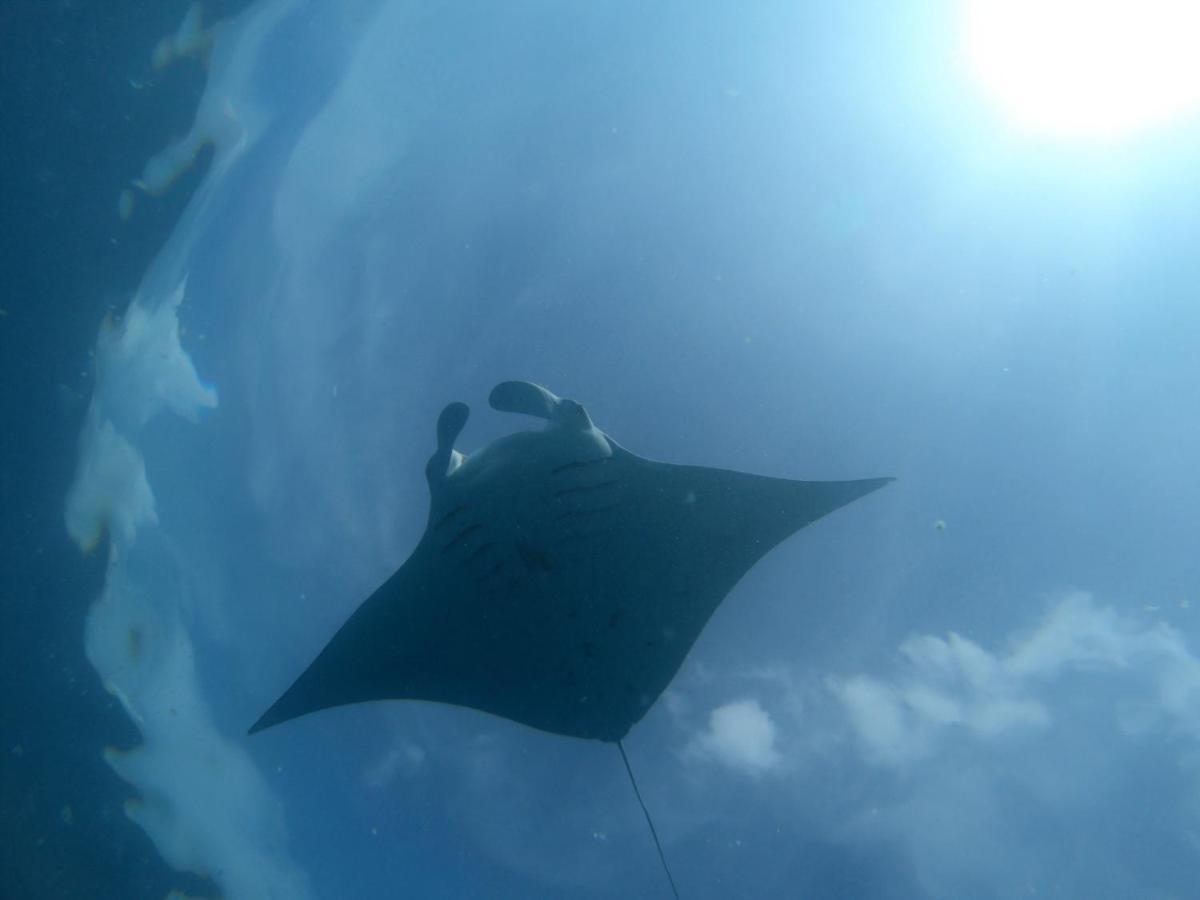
[812, 500]
[870, 485]
[264, 721]
[281, 710]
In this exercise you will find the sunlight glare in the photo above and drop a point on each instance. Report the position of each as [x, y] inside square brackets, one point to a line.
[1100, 69]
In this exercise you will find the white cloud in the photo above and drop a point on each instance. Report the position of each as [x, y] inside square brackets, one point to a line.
[1012, 758]
[1074, 633]
[983, 764]
[879, 718]
[947, 684]
[740, 735]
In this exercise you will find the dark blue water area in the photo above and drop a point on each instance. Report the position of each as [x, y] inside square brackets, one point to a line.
[78, 126]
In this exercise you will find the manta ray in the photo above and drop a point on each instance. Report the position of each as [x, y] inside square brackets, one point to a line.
[561, 579]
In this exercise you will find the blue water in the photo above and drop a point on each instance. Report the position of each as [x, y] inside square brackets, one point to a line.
[790, 241]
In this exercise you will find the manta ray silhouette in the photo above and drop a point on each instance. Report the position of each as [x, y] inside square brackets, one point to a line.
[561, 580]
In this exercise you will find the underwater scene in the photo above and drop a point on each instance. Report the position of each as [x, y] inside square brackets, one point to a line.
[538, 449]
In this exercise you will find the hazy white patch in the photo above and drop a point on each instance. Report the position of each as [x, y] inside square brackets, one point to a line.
[228, 124]
[142, 368]
[110, 492]
[879, 718]
[190, 39]
[1075, 633]
[1045, 736]
[200, 798]
[402, 758]
[952, 682]
[201, 801]
[740, 735]
[957, 750]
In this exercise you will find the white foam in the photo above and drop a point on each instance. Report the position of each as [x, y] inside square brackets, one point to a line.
[110, 492]
[199, 796]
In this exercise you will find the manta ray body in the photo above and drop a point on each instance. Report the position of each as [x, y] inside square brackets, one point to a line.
[561, 579]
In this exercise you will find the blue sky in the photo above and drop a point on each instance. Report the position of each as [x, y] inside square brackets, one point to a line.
[785, 241]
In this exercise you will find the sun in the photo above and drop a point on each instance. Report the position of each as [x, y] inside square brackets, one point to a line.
[1076, 69]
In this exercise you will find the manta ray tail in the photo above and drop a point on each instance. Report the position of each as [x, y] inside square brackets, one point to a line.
[649, 821]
